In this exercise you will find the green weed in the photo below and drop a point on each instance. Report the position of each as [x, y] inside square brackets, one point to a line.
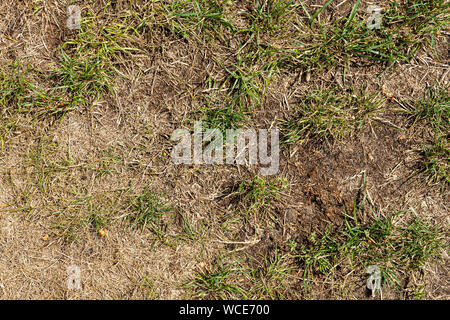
[217, 281]
[149, 211]
[328, 114]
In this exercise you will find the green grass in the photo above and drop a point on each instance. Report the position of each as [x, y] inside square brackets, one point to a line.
[317, 44]
[433, 112]
[45, 165]
[217, 110]
[397, 249]
[148, 288]
[150, 211]
[16, 89]
[89, 60]
[400, 244]
[218, 281]
[106, 36]
[222, 118]
[74, 220]
[244, 46]
[267, 279]
[328, 115]
[24, 100]
[436, 160]
[223, 109]
[248, 75]
[269, 15]
[424, 18]
[20, 92]
[243, 83]
[201, 19]
[271, 280]
[83, 73]
[406, 27]
[83, 79]
[193, 230]
[434, 108]
[257, 193]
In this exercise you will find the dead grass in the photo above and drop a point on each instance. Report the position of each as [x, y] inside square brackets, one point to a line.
[86, 177]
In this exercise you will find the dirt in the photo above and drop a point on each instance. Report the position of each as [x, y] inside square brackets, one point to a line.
[324, 179]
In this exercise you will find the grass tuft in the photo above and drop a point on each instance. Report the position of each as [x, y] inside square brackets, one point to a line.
[397, 249]
[149, 211]
[328, 114]
[218, 281]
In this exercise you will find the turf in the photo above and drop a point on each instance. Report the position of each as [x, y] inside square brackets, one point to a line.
[87, 178]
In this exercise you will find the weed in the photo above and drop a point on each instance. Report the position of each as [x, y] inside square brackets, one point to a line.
[328, 114]
[149, 211]
[244, 84]
[269, 15]
[258, 192]
[434, 110]
[84, 214]
[217, 281]
[84, 79]
[348, 39]
[198, 18]
[19, 93]
[436, 160]
[395, 249]
[270, 280]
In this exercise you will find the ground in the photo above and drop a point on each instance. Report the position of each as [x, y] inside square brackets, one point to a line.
[87, 179]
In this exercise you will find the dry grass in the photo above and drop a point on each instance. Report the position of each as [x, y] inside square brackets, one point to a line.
[86, 176]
